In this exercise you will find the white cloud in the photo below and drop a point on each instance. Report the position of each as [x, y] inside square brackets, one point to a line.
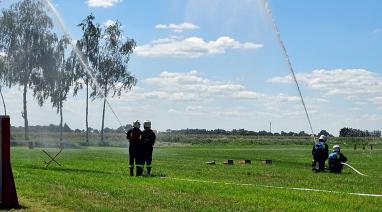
[357, 85]
[248, 95]
[102, 3]
[348, 82]
[191, 47]
[195, 109]
[192, 87]
[377, 101]
[355, 109]
[3, 54]
[188, 86]
[178, 27]
[378, 30]
[109, 23]
[371, 117]
[229, 114]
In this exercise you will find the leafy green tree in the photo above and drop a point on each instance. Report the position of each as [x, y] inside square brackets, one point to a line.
[89, 47]
[112, 74]
[28, 30]
[64, 79]
[58, 80]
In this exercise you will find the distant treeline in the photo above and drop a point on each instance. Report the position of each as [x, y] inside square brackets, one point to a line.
[239, 132]
[56, 128]
[344, 132]
[350, 132]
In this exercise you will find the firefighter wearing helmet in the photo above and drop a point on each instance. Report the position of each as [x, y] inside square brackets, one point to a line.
[336, 158]
[134, 136]
[320, 153]
[148, 138]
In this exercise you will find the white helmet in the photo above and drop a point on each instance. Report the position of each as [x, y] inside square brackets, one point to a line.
[323, 137]
[336, 148]
[147, 123]
[137, 124]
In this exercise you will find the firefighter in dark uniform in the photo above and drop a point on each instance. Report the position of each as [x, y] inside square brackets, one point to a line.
[134, 136]
[148, 138]
[336, 158]
[320, 154]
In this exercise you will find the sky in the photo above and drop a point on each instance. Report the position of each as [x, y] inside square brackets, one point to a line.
[218, 64]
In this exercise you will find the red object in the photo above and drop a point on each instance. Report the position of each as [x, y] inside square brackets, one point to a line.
[8, 196]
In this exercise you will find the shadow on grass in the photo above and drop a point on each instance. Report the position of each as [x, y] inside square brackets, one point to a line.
[61, 169]
[7, 207]
[156, 174]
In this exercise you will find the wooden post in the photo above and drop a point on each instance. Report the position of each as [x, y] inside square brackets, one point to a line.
[355, 146]
[8, 195]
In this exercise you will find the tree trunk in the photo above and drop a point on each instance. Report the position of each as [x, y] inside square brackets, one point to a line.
[61, 119]
[87, 110]
[103, 117]
[25, 113]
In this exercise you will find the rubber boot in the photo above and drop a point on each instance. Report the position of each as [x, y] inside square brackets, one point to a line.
[148, 171]
[139, 171]
[131, 171]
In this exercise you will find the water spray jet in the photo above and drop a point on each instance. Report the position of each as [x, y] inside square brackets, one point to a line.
[286, 56]
[88, 69]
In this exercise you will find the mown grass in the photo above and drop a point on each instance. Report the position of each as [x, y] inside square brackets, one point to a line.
[96, 179]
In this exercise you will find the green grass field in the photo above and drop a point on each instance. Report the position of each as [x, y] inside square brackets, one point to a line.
[96, 179]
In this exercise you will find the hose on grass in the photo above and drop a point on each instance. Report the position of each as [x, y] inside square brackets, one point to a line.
[356, 171]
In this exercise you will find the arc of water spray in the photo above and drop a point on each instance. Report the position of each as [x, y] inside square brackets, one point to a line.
[286, 56]
[2, 98]
[53, 9]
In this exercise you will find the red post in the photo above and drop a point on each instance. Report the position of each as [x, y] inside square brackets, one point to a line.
[8, 195]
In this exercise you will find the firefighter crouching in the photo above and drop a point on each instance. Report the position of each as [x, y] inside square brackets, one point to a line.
[336, 158]
[135, 149]
[148, 138]
[320, 153]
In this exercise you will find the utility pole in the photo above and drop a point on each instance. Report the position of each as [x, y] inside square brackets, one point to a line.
[270, 127]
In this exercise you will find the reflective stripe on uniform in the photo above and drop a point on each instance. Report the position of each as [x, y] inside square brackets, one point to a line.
[148, 166]
[139, 165]
[131, 166]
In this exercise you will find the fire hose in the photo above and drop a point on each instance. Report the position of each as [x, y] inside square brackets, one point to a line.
[358, 172]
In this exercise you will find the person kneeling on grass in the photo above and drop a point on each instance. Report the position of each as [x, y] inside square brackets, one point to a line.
[336, 158]
[134, 136]
[148, 138]
[320, 153]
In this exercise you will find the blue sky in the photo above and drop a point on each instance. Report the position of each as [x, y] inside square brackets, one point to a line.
[217, 64]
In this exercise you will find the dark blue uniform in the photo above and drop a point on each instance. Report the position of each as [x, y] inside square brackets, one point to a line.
[335, 161]
[148, 138]
[320, 153]
[135, 150]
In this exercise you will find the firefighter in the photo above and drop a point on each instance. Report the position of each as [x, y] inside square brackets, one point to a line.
[320, 154]
[336, 158]
[134, 136]
[148, 138]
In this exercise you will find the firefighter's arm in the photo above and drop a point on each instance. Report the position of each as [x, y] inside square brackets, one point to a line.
[154, 138]
[343, 158]
[128, 135]
[326, 151]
